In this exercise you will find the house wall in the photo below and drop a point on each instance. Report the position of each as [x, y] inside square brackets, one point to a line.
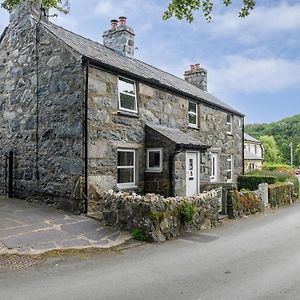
[251, 165]
[41, 115]
[249, 146]
[110, 129]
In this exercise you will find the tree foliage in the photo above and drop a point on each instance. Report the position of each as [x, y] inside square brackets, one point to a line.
[284, 132]
[185, 9]
[60, 5]
[180, 9]
[271, 151]
[297, 155]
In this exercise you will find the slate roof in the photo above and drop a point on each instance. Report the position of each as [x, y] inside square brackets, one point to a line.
[178, 137]
[250, 138]
[251, 156]
[110, 59]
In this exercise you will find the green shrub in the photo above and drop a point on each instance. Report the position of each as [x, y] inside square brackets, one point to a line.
[278, 168]
[138, 234]
[251, 182]
[245, 203]
[280, 194]
[187, 211]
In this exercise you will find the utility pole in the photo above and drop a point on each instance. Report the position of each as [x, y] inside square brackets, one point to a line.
[292, 154]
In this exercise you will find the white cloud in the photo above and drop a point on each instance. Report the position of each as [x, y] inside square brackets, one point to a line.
[261, 22]
[254, 75]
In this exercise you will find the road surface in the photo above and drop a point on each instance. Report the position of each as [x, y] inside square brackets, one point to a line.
[254, 258]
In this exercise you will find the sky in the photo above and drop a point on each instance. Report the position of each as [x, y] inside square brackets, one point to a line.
[253, 63]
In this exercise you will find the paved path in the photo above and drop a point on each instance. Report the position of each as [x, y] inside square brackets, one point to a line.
[30, 228]
[256, 258]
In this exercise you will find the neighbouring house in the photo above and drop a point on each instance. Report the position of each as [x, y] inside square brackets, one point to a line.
[253, 153]
[77, 116]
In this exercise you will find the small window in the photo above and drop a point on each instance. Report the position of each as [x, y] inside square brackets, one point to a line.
[213, 167]
[154, 160]
[126, 168]
[229, 123]
[193, 114]
[127, 95]
[229, 170]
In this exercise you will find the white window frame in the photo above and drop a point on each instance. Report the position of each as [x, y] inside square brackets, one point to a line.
[135, 96]
[214, 171]
[194, 114]
[229, 159]
[229, 123]
[151, 169]
[128, 184]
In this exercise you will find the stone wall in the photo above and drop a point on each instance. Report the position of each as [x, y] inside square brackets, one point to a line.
[41, 112]
[158, 218]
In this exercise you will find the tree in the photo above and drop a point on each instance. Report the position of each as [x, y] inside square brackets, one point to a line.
[60, 5]
[271, 152]
[184, 9]
[297, 155]
[180, 9]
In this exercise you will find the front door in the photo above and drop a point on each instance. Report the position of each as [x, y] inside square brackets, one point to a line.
[192, 174]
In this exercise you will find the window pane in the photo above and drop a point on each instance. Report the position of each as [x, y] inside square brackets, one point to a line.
[192, 119]
[125, 175]
[127, 86]
[154, 159]
[228, 118]
[192, 107]
[127, 101]
[229, 175]
[125, 158]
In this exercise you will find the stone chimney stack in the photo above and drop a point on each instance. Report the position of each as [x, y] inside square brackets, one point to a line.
[197, 76]
[120, 37]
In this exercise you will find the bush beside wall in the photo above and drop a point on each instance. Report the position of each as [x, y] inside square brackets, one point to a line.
[280, 194]
[251, 182]
[157, 218]
[243, 203]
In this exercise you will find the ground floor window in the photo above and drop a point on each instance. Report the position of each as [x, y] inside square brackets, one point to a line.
[214, 167]
[229, 168]
[154, 160]
[126, 168]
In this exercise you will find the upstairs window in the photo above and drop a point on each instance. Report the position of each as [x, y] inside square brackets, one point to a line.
[193, 114]
[229, 170]
[126, 168]
[154, 160]
[229, 123]
[127, 95]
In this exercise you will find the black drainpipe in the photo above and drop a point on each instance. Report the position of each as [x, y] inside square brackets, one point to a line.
[86, 192]
[243, 141]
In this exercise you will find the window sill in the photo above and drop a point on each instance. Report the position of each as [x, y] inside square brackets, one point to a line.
[193, 127]
[128, 114]
[153, 171]
[229, 133]
[128, 188]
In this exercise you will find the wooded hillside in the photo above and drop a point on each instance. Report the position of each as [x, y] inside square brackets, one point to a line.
[284, 132]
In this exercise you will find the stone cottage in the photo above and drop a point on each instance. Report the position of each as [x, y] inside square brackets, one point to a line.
[253, 153]
[77, 115]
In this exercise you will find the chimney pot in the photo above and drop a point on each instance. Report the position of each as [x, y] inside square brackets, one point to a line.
[197, 76]
[122, 20]
[114, 24]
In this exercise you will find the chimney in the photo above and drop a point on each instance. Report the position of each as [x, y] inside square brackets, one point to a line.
[120, 37]
[197, 76]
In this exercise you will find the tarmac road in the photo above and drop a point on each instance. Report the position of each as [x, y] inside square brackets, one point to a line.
[254, 258]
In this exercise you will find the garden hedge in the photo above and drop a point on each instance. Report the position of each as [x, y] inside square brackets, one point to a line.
[251, 182]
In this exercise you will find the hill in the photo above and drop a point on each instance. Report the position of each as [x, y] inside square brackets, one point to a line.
[284, 132]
